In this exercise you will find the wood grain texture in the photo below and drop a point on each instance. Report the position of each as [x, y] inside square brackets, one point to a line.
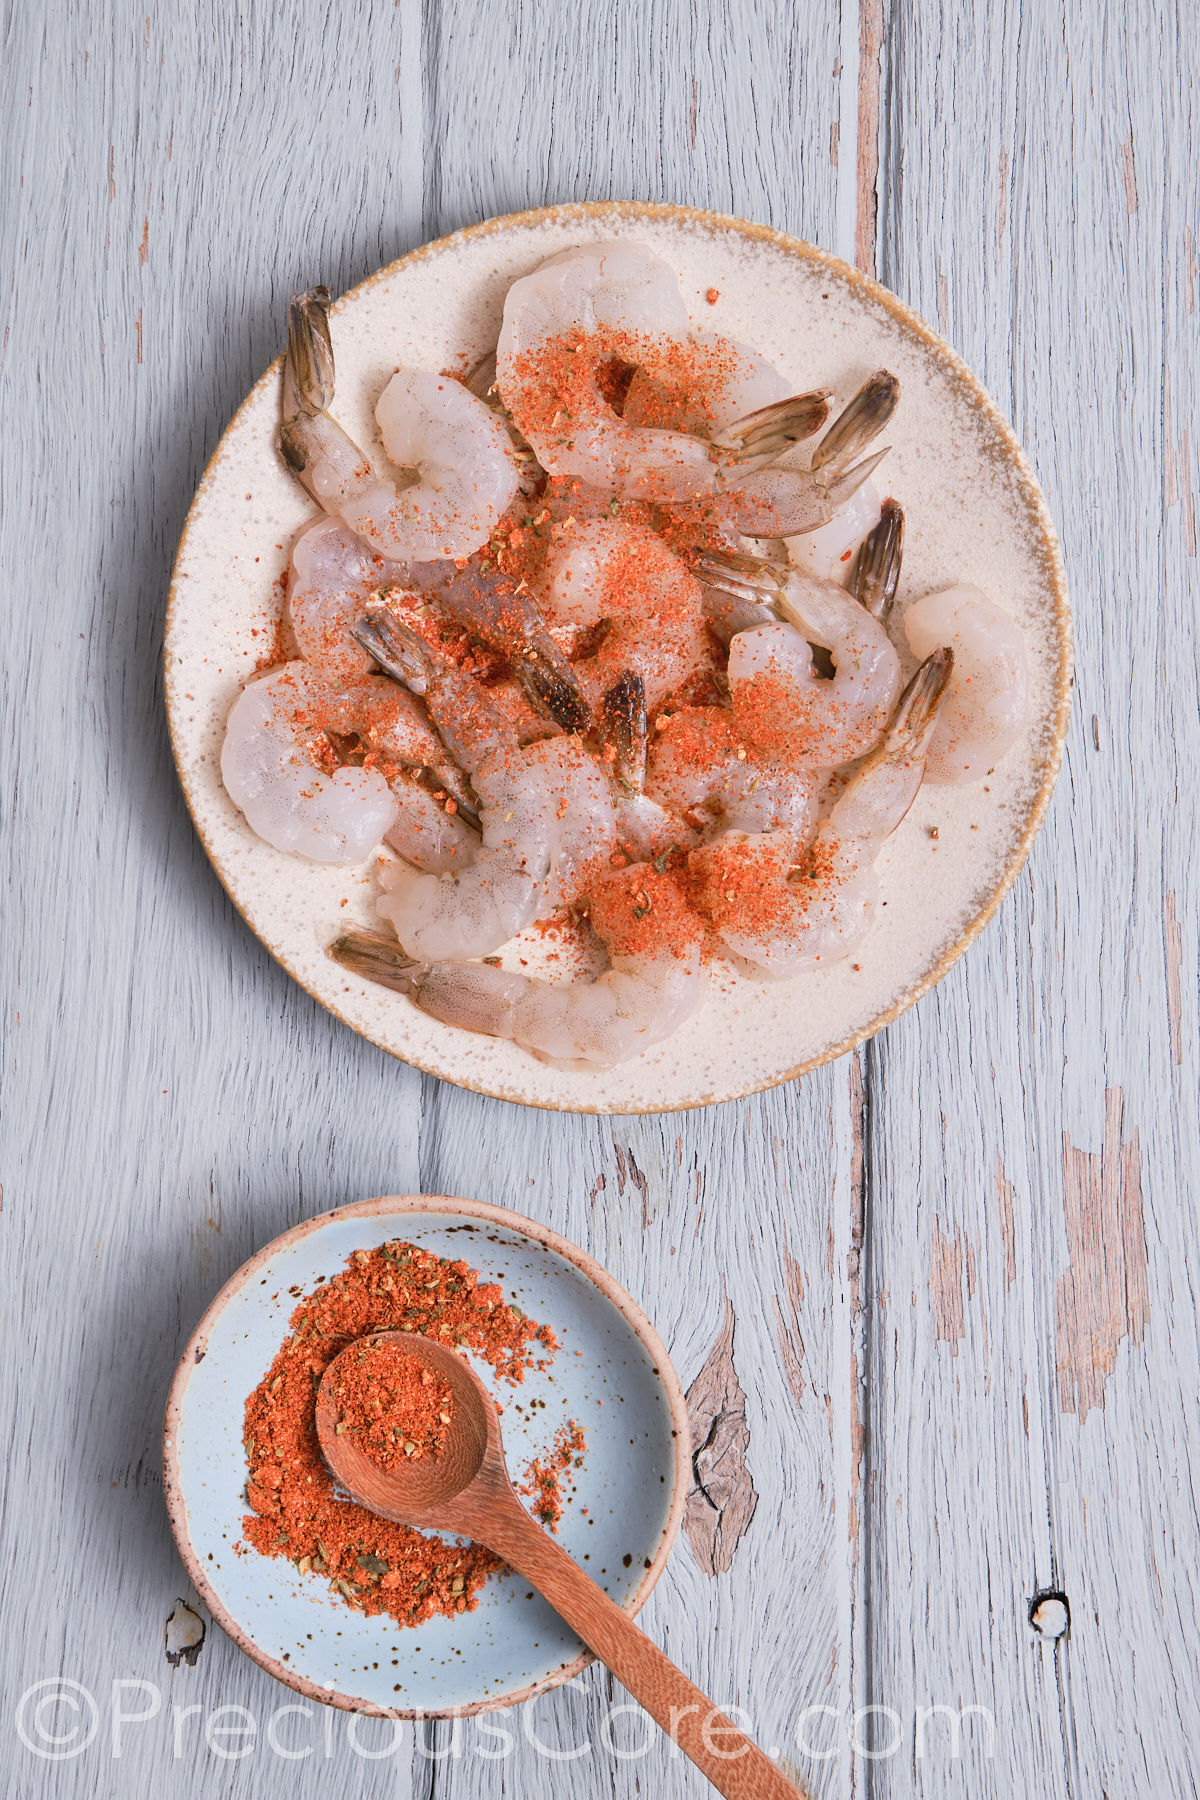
[173, 1100]
[1034, 1417]
[900, 1238]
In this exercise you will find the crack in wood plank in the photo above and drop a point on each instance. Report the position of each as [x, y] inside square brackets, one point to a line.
[628, 1171]
[722, 1502]
[870, 39]
[1174, 951]
[1102, 1295]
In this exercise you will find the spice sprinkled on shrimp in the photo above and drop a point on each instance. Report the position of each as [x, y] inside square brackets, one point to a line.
[615, 671]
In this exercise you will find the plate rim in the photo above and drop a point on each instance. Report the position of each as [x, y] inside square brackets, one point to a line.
[194, 1351]
[1058, 720]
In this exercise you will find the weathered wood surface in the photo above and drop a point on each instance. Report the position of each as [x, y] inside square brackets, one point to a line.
[948, 1285]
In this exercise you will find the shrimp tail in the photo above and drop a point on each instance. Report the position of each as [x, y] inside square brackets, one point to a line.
[327, 464]
[907, 737]
[762, 436]
[548, 681]
[748, 578]
[861, 421]
[877, 570]
[512, 624]
[308, 376]
[310, 350]
[624, 717]
[378, 958]
[399, 650]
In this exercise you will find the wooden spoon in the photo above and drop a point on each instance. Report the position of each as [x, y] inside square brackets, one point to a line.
[466, 1489]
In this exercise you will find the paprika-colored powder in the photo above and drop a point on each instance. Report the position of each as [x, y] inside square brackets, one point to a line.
[376, 1565]
[391, 1405]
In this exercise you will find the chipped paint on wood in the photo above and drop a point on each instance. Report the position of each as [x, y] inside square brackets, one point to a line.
[1127, 169]
[787, 1327]
[1188, 491]
[1170, 476]
[722, 1502]
[946, 1287]
[1102, 1296]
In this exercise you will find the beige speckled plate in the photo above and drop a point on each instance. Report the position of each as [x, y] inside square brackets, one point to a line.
[974, 513]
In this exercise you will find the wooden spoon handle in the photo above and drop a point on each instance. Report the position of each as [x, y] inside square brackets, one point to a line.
[736, 1767]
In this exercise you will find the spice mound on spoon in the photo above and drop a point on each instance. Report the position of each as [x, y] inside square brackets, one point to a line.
[455, 1479]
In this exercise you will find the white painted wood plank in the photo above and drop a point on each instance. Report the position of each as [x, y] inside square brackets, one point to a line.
[735, 111]
[730, 108]
[172, 1100]
[1034, 1265]
[749, 1203]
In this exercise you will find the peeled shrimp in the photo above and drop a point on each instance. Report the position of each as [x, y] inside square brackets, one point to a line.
[988, 698]
[465, 472]
[643, 995]
[624, 297]
[780, 704]
[699, 766]
[620, 575]
[471, 911]
[785, 914]
[333, 576]
[269, 773]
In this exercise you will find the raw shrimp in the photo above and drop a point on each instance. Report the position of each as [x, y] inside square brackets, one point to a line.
[782, 501]
[466, 474]
[471, 911]
[827, 550]
[737, 605]
[988, 698]
[584, 310]
[646, 826]
[588, 831]
[784, 914]
[780, 704]
[622, 576]
[490, 607]
[333, 577]
[699, 765]
[425, 834]
[267, 767]
[743, 383]
[653, 982]
[394, 733]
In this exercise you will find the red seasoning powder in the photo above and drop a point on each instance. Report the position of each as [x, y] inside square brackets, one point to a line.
[392, 1405]
[376, 1566]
